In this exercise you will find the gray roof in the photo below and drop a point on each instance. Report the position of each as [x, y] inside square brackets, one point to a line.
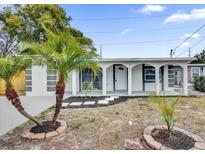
[184, 59]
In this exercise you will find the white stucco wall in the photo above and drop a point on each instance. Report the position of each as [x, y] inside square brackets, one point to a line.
[150, 86]
[11, 118]
[78, 81]
[110, 78]
[68, 87]
[137, 83]
[39, 82]
[166, 85]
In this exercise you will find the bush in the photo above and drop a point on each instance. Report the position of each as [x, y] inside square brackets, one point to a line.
[199, 83]
[87, 87]
[166, 109]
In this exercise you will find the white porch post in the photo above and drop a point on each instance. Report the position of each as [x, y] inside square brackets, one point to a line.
[130, 80]
[74, 83]
[185, 80]
[165, 77]
[157, 84]
[104, 87]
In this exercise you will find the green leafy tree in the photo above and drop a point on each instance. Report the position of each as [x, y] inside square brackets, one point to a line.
[8, 44]
[10, 67]
[166, 109]
[10, 31]
[199, 83]
[32, 15]
[23, 23]
[63, 53]
[199, 58]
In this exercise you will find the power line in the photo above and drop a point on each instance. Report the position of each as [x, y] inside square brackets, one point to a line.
[189, 36]
[191, 47]
[172, 52]
[127, 18]
[140, 42]
[141, 30]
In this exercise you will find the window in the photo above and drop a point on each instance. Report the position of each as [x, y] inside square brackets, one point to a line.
[150, 74]
[51, 80]
[195, 71]
[171, 76]
[87, 76]
[28, 79]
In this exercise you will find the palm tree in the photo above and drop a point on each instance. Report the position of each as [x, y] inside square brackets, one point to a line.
[63, 53]
[10, 67]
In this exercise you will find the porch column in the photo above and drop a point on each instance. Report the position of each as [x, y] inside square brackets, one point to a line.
[130, 80]
[157, 83]
[74, 83]
[104, 87]
[165, 77]
[185, 80]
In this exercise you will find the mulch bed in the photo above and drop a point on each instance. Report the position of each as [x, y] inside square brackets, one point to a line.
[93, 98]
[83, 98]
[178, 140]
[47, 127]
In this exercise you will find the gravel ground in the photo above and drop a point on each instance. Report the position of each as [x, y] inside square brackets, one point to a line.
[108, 127]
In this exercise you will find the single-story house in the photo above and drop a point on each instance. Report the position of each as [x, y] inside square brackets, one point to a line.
[119, 76]
[195, 70]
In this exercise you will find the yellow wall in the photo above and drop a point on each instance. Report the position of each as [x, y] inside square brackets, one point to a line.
[19, 84]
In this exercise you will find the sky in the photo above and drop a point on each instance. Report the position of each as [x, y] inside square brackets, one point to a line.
[140, 30]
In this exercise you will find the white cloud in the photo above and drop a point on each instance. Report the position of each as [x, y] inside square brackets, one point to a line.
[195, 36]
[148, 9]
[179, 17]
[126, 31]
[185, 44]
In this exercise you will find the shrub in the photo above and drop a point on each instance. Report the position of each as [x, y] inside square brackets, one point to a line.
[87, 87]
[166, 109]
[199, 83]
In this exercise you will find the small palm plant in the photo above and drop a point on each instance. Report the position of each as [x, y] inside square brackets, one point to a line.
[87, 86]
[9, 68]
[63, 53]
[166, 109]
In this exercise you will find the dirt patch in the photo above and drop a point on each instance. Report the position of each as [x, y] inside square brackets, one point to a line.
[45, 128]
[107, 127]
[177, 141]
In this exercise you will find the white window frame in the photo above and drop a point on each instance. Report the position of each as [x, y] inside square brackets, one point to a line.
[28, 80]
[192, 68]
[91, 82]
[54, 74]
[149, 80]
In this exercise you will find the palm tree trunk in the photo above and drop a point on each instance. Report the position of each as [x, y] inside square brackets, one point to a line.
[12, 96]
[60, 89]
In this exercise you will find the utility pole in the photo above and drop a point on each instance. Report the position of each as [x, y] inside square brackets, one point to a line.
[171, 53]
[101, 50]
[189, 52]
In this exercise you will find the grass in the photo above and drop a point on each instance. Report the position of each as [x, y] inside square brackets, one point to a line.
[107, 127]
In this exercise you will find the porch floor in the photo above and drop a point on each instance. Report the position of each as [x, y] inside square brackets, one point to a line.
[125, 93]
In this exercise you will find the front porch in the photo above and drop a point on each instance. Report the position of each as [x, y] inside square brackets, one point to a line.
[125, 93]
[132, 78]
